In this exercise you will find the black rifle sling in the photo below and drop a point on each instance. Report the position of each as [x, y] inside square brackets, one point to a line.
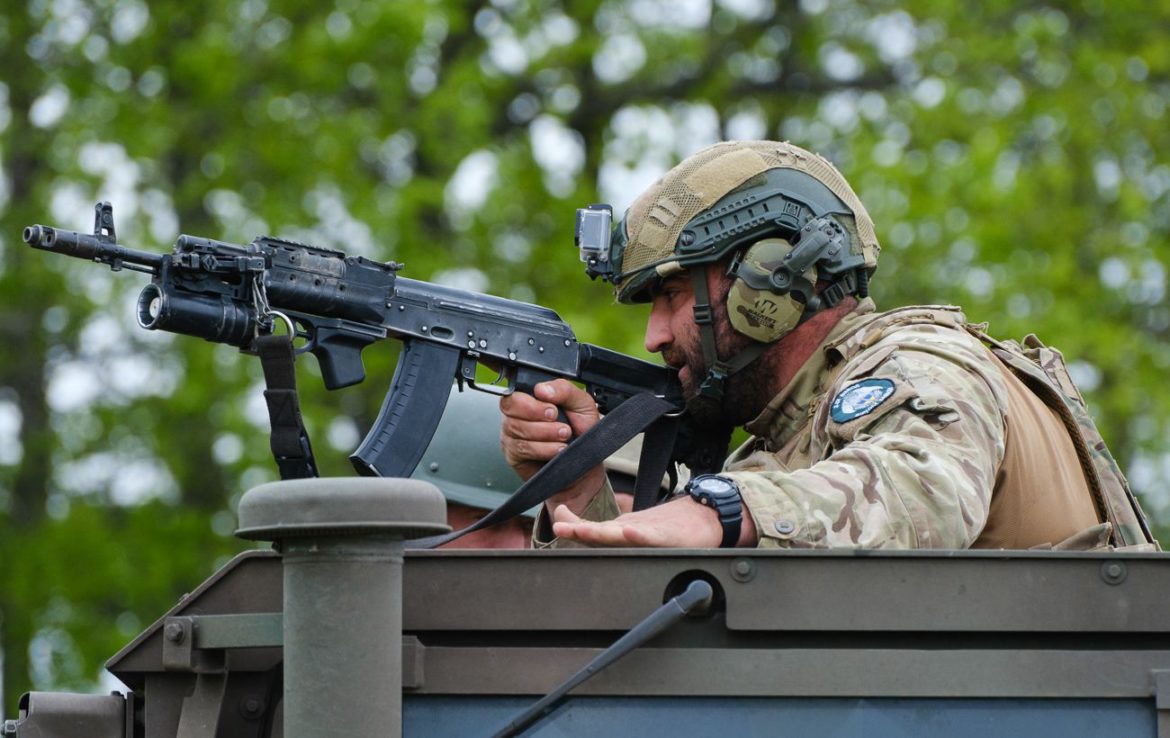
[289, 439]
[587, 451]
[657, 449]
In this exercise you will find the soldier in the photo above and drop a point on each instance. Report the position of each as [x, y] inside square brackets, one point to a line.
[904, 429]
[464, 462]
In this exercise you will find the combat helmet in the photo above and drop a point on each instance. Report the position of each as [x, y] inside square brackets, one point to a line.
[464, 459]
[465, 462]
[785, 219]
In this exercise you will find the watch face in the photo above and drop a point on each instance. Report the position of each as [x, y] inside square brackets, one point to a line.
[714, 485]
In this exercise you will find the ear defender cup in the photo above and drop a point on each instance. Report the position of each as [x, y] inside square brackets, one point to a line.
[757, 308]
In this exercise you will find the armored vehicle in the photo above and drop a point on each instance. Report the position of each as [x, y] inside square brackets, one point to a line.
[339, 632]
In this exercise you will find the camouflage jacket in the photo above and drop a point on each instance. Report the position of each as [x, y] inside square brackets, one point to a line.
[892, 435]
[808, 481]
[897, 445]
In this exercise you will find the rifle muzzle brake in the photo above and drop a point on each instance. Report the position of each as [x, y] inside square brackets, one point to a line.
[69, 243]
[40, 237]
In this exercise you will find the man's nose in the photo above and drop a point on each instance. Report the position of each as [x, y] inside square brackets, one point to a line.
[658, 335]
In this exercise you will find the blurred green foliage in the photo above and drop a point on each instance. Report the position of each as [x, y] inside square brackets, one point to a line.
[1015, 157]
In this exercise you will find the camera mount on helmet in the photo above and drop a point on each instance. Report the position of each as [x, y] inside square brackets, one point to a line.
[593, 237]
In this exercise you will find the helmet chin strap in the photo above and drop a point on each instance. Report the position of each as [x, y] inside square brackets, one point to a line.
[713, 385]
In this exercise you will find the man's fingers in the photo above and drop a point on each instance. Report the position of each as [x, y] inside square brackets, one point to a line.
[611, 533]
[522, 406]
[680, 523]
[519, 452]
[568, 526]
[579, 406]
[556, 391]
[562, 514]
[592, 534]
[529, 433]
[529, 430]
[547, 402]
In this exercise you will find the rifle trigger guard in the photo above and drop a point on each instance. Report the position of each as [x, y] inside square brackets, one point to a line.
[507, 375]
[491, 389]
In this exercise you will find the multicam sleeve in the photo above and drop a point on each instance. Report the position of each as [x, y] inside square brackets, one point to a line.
[912, 449]
[602, 507]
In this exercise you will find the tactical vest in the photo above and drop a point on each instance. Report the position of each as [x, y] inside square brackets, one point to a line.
[1040, 372]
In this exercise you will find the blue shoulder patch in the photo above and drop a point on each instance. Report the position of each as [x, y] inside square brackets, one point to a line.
[860, 398]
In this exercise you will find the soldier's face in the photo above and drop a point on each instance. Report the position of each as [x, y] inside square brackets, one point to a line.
[671, 331]
[514, 533]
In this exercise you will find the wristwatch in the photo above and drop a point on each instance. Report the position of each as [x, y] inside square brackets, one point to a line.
[721, 494]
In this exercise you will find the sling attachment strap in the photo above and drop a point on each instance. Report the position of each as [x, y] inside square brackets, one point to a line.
[289, 439]
[657, 450]
[590, 449]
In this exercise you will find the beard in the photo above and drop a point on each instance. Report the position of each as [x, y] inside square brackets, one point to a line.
[745, 393]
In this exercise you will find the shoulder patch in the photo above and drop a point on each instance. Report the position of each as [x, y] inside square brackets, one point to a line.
[860, 398]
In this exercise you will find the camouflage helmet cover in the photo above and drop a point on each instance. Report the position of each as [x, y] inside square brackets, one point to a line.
[649, 234]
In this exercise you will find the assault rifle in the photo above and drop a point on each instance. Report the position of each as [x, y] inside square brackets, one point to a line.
[336, 305]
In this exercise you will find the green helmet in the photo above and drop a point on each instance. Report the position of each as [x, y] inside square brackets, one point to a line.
[464, 459]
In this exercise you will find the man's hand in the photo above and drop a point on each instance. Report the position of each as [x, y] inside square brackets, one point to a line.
[680, 523]
[530, 435]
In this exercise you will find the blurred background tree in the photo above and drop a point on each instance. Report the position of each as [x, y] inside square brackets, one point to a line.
[1015, 157]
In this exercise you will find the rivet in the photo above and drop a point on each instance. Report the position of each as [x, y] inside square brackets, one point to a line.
[482, 343]
[743, 570]
[434, 466]
[784, 527]
[252, 707]
[1113, 572]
